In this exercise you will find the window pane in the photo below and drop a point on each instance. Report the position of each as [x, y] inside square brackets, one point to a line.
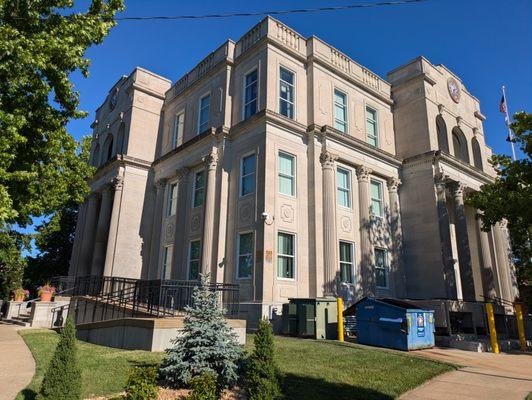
[380, 278]
[286, 244]
[287, 76]
[376, 198]
[345, 252]
[250, 94]
[346, 273]
[247, 179]
[344, 187]
[375, 190]
[286, 186]
[195, 250]
[380, 268]
[204, 113]
[286, 174]
[372, 140]
[199, 188]
[194, 270]
[245, 258]
[286, 164]
[248, 165]
[246, 243]
[286, 93]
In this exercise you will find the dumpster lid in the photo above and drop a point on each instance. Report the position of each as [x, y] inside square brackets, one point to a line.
[351, 310]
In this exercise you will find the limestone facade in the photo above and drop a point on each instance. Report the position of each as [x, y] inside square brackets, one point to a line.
[281, 164]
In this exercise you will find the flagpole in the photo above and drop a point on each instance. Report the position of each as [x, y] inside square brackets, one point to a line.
[510, 133]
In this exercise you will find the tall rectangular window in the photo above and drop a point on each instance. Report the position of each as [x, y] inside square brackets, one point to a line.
[340, 111]
[376, 198]
[172, 200]
[247, 174]
[346, 262]
[194, 256]
[166, 262]
[177, 130]
[250, 93]
[371, 127]
[287, 174]
[343, 187]
[381, 268]
[245, 255]
[285, 255]
[199, 189]
[203, 115]
[286, 93]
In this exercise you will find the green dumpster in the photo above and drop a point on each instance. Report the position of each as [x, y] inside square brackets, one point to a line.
[310, 317]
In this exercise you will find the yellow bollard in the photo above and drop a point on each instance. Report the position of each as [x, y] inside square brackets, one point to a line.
[340, 309]
[520, 326]
[493, 332]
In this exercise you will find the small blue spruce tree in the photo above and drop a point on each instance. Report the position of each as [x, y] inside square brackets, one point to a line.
[206, 345]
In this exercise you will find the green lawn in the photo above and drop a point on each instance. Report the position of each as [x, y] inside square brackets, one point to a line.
[313, 369]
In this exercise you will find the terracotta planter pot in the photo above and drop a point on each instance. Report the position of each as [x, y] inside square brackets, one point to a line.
[46, 295]
[19, 298]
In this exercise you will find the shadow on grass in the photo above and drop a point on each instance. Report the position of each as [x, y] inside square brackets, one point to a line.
[298, 387]
[27, 394]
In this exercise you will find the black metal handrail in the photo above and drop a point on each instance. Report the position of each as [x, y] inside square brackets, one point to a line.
[103, 297]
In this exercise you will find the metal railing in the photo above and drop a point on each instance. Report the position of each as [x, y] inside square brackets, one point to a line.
[99, 298]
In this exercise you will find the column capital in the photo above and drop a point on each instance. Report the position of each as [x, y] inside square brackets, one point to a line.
[160, 183]
[211, 160]
[457, 189]
[363, 173]
[393, 183]
[182, 173]
[117, 183]
[327, 159]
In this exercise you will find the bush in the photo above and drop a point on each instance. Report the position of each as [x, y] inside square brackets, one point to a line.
[62, 380]
[142, 384]
[262, 372]
[207, 343]
[203, 387]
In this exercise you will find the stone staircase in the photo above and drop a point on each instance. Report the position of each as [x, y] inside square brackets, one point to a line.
[23, 319]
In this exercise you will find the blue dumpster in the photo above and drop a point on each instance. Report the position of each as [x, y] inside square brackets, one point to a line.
[394, 323]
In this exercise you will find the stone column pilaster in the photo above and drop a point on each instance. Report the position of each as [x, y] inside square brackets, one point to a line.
[88, 235]
[211, 162]
[399, 277]
[444, 223]
[488, 273]
[78, 240]
[102, 232]
[366, 248]
[155, 245]
[462, 242]
[330, 242]
[503, 262]
[118, 184]
[180, 246]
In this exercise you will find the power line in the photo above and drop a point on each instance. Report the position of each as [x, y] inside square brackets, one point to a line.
[273, 12]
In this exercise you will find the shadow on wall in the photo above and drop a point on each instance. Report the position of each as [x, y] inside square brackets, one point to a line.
[304, 388]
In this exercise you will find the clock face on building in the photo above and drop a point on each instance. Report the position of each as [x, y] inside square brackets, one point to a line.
[454, 89]
[113, 100]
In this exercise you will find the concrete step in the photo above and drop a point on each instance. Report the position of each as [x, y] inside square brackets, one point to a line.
[15, 322]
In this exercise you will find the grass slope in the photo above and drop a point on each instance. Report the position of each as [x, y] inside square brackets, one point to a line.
[313, 369]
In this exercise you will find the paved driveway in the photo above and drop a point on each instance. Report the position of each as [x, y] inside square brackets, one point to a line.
[16, 362]
[484, 376]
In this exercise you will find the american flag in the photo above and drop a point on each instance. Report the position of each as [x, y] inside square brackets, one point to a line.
[502, 107]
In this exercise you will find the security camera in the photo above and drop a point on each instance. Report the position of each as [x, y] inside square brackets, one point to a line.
[265, 215]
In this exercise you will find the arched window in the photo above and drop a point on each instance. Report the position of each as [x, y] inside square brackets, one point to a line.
[120, 140]
[443, 142]
[460, 145]
[477, 154]
[96, 155]
[108, 147]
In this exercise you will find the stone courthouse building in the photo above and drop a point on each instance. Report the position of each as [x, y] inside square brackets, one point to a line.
[281, 164]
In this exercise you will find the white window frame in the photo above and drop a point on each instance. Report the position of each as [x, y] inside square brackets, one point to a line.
[194, 188]
[345, 108]
[199, 112]
[381, 199]
[386, 267]
[376, 113]
[189, 257]
[245, 102]
[293, 85]
[348, 190]
[166, 260]
[352, 263]
[294, 178]
[171, 199]
[294, 256]
[241, 176]
[238, 255]
[180, 116]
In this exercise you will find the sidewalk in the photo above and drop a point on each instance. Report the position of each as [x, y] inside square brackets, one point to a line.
[484, 376]
[16, 362]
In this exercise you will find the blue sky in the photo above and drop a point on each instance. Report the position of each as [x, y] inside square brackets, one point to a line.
[486, 43]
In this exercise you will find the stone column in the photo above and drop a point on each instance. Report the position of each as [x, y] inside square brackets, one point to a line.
[211, 162]
[503, 264]
[78, 240]
[462, 242]
[102, 232]
[87, 246]
[488, 276]
[158, 212]
[445, 238]
[399, 277]
[366, 249]
[180, 245]
[118, 184]
[330, 242]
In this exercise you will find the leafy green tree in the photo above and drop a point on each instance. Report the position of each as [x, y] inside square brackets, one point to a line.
[206, 344]
[42, 42]
[262, 372]
[62, 380]
[510, 197]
